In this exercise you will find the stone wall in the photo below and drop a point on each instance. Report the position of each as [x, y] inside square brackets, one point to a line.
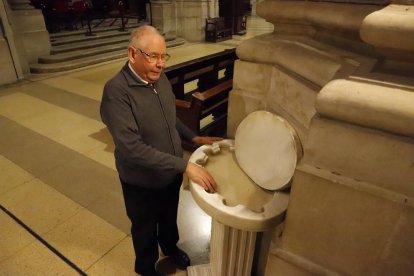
[341, 74]
[163, 16]
[183, 18]
[6, 62]
[191, 15]
[30, 30]
[27, 38]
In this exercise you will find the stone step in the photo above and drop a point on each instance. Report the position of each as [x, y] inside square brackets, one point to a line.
[41, 68]
[54, 36]
[75, 60]
[171, 42]
[101, 28]
[89, 44]
[72, 54]
[74, 49]
[77, 38]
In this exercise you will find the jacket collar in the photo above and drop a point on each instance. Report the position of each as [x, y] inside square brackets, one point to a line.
[131, 79]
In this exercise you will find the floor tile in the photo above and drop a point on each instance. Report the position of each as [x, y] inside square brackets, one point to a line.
[59, 96]
[13, 237]
[19, 106]
[181, 53]
[84, 238]
[100, 75]
[103, 154]
[29, 150]
[83, 180]
[36, 260]
[119, 261]
[63, 126]
[92, 185]
[110, 206]
[39, 206]
[11, 175]
[90, 89]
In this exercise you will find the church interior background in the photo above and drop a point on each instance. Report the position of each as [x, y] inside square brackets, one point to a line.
[339, 72]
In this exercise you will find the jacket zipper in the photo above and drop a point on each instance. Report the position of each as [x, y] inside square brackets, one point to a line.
[165, 117]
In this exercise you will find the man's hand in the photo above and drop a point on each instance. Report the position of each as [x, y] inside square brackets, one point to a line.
[206, 140]
[201, 176]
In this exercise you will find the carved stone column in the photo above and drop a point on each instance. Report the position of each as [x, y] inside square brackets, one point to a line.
[191, 16]
[232, 250]
[28, 27]
[341, 74]
[7, 69]
[163, 17]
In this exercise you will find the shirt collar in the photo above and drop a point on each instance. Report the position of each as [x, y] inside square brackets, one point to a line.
[135, 73]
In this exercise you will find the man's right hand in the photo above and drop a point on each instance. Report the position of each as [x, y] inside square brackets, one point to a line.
[201, 176]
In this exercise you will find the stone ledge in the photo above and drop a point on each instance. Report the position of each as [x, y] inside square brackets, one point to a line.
[368, 104]
[366, 155]
[345, 18]
[390, 28]
[361, 186]
[296, 56]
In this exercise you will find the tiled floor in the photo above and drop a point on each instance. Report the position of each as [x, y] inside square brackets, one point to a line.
[62, 209]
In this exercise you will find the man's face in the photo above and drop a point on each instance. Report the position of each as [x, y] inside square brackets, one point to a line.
[149, 60]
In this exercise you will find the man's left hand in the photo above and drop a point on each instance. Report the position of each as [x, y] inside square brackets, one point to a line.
[206, 140]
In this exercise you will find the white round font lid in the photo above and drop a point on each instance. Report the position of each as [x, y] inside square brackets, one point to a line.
[265, 149]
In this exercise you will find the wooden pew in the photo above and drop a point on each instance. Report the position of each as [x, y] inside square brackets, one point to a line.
[214, 102]
[205, 69]
[216, 29]
[210, 96]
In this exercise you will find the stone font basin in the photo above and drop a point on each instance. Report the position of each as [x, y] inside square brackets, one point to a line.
[252, 173]
[238, 202]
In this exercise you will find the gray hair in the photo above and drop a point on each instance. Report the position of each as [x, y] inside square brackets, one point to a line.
[139, 33]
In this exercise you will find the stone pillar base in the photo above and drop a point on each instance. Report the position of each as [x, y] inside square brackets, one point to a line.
[199, 270]
[232, 250]
[231, 253]
[29, 27]
[7, 72]
[192, 16]
[163, 17]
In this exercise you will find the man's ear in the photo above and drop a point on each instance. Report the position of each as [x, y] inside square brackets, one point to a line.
[131, 55]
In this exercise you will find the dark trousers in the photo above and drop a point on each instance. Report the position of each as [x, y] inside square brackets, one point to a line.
[153, 215]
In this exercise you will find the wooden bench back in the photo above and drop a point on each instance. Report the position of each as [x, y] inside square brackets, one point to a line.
[216, 23]
[211, 95]
[217, 29]
[205, 70]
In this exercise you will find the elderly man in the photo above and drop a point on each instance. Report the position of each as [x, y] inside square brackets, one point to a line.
[138, 107]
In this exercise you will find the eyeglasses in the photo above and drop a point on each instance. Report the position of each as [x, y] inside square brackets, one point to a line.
[153, 57]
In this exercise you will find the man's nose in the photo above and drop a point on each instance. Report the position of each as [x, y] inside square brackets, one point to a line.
[160, 63]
